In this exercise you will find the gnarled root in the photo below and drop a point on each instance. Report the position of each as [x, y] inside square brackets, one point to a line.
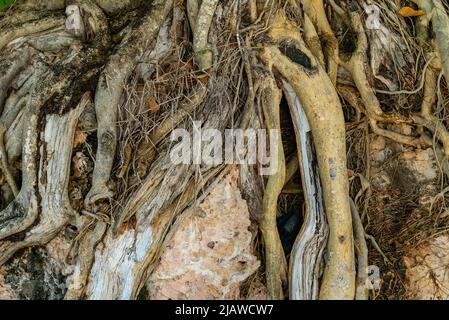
[440, 24]
[9, 34]
[48, 199]
[86, 253]
[110, 90]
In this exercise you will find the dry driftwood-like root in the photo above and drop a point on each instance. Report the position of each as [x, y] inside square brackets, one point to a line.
[275, 263]
[314, 9]
[4, 164]
[307, 252]
[9, 34]
[47, 199]
[46, 151]
[86, 252]
[119, 274]
[324, 112]
[203, 54]
[9, 69]
[110, 89]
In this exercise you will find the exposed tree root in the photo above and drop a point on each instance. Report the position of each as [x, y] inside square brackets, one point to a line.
[110, 90]
[275, 263]
[49, 198]
[440, 24]
[50, 61]
[322, 106]
[307, 252]
[9, 34]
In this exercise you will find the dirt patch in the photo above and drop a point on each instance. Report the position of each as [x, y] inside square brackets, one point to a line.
[427, 272]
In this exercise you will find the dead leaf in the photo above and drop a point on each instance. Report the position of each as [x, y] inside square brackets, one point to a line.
[79, 139]
[410, 12]
[153, 105]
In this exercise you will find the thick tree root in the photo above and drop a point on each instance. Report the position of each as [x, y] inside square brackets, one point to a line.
[307, 253]
[120, 269]
[9, 34]
[275, 263]
[48, 199]
[324, 113]
[110, 90]
[361, 292]
[314, 9]
[440, 24]
[86, 253]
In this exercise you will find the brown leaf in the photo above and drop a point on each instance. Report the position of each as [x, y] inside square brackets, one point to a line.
[80, 138]
[410, 12]
[152, 104]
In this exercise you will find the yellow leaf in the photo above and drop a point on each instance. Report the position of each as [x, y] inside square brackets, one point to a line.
[79, 138]
[152, 104]
[410, 12]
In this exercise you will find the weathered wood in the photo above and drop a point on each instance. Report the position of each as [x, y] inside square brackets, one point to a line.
[306, 257]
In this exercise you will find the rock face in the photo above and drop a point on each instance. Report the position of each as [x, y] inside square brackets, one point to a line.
[36, 273]
[427, 271]
[210, 253]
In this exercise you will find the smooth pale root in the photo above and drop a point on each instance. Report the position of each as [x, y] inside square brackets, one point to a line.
[9, 34]
[361, 292]
[440, 23]
[317, 14]
[324, 112]
[275, 263]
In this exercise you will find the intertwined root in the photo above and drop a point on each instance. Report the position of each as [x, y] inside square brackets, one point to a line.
[49, 199]
[40, 115]
[110, 90]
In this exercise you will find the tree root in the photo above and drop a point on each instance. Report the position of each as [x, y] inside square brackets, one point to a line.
[440, 24]
[86, 253]
[109, 92]
[314, 9]
[361, 292]
[9, 69]
[275, 263]
[48, 199]
[4, 165]
[9, 34]
[307, 252]
[324, 113]
[203, 54]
